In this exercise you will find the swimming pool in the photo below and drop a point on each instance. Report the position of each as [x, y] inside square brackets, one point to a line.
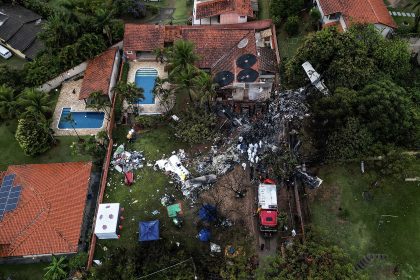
[146, 79]
[81, 119]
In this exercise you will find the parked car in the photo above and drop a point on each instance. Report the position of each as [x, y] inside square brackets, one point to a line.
[5, 53]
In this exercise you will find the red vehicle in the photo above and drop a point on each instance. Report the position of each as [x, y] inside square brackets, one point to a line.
[267, 207]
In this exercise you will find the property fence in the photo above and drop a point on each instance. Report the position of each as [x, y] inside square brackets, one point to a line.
[104, 177]
[69, 74]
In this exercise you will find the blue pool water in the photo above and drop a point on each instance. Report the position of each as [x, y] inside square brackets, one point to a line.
[81, 119]
[145, 79]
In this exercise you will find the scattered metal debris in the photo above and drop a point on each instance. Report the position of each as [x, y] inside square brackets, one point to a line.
[124, 161]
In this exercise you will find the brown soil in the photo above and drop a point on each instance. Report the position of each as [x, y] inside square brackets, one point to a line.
[238, 210]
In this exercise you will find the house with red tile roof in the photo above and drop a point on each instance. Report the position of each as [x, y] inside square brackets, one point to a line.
[221, 11]
[44, 209]
[242, 58]
[101, 74]
[344, 13]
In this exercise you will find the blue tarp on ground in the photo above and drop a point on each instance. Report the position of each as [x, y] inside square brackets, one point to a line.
[207, 213]
[149, 231]
[204, 235]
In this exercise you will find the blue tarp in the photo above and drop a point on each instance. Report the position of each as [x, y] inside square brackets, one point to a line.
[207, 213]
[149, 230]
[204, 235]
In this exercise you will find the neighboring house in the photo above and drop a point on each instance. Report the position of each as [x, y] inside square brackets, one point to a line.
[221, 11]
[242, 58]
[343, 13]
[42, 208]
[101, 75]
[19, 28]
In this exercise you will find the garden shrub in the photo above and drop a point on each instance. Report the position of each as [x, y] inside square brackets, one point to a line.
[195, 126]
[150, 121]
[34, 136]
[78, 261]
[292, 25]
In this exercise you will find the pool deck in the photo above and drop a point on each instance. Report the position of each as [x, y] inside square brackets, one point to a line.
[136, 65]
[68, 99]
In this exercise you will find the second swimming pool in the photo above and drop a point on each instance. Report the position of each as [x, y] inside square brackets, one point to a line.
[146, 79]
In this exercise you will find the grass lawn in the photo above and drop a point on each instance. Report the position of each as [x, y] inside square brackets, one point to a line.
[23, 272]
[388, 224]
[264, 9]
[182, 12]
[143, 197]
[11, 153]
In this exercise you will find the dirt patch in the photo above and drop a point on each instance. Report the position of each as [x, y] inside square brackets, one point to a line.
[233, 196]
[327, 193]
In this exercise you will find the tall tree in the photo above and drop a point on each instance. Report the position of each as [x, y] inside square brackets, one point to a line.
[56, 269]
[181, 56]
[184, 80]
[129, 93]
[100, 102]
[69, 119]
[351, 59]
[8, 102]
[205, 88]
[35, 102]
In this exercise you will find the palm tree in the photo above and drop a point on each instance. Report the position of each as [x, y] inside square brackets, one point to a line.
[69, 119]
[56, 269]
[205, 87]
[59, 31]
[184, 80]
[100, 102]
[8, 102]
[36, 102]
[160, 54]
[129, 92]
[165, 94]
[414, 5]
[181, 55]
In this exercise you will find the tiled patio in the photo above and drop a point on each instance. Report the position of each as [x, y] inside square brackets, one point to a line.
[134, 66]
[68, 99]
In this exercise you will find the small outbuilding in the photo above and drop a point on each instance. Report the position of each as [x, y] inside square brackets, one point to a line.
[107, 221]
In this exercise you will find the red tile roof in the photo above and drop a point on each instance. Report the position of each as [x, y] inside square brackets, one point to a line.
[49, 215]
[218, 7]
[152, 36]
[359, 11]
[98, 74]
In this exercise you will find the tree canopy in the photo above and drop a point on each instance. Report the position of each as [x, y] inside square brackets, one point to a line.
[349, 59]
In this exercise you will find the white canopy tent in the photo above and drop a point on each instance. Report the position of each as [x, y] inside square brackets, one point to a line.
[107, 221]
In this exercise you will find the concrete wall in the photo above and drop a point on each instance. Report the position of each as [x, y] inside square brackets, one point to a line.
[114, 75]
[69, 74]
[232, 18]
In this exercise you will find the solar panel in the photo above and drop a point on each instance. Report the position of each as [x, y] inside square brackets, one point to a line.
[246, 61]
[9, 195]
[223, 78]
[247, 76]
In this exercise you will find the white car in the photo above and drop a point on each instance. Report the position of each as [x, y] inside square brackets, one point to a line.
[5, 53]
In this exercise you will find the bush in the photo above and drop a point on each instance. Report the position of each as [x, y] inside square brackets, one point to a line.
[152, 9]
[292, 26]
[195, 126]
[34, 136]
[124, 74]
[78, 262]
[151, 121]
[281, 9]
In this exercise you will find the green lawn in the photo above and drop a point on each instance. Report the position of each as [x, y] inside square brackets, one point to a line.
[388, 224]
[264, 9]
[143, 197]
[11, 153]
[22, 272]
[182, 12]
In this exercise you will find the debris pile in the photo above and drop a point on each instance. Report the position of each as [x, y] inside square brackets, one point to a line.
[125, 161]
